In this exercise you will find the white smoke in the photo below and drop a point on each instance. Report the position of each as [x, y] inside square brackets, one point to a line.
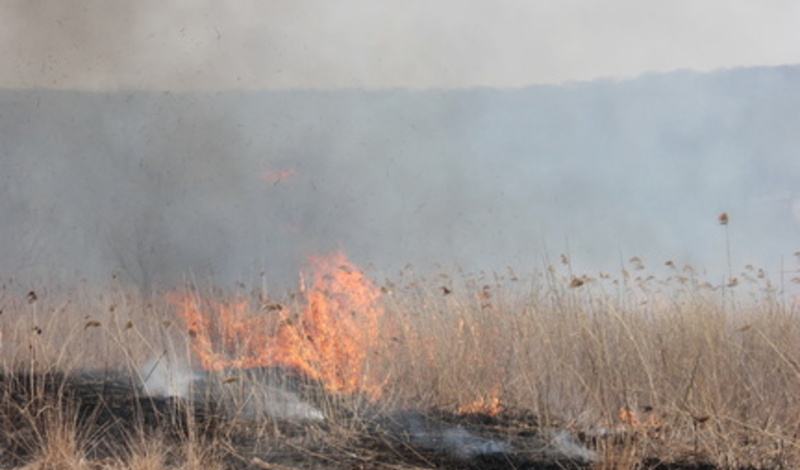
[564, 444]
[168, 377]
[466, 445]
[254, 400]
[248, 395]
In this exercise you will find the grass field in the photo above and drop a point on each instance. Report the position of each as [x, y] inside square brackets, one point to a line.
[643, 370]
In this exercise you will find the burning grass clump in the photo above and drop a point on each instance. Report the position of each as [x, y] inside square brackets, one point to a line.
[500, 370]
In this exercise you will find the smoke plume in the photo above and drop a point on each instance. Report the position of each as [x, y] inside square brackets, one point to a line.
[153, 188]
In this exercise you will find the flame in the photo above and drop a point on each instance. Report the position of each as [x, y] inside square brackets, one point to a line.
[276, 176]
[338, 329]
[225, 334]
[331, 340]
[487, 404]
[647, 423]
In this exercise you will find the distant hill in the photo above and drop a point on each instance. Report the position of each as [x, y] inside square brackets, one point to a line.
[152, 185]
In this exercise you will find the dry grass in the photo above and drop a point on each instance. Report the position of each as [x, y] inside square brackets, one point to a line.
[719, 377]
[645, 369]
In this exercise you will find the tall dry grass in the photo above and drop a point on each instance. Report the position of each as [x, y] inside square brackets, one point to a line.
[643, 368]
[681, 368]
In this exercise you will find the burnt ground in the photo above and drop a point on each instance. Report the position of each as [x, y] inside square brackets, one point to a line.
[110, 410]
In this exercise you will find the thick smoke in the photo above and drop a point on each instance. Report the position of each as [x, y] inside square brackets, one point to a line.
[152, 188]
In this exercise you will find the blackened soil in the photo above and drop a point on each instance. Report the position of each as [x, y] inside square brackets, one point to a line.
[112, 402]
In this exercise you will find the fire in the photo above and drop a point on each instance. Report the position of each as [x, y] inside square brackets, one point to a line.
[338, 329]
[224, 334]
[276, 176]
[330, 340]
[647, 423]
[487, 404]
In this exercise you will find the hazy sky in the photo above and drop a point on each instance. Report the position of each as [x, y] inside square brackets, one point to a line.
[204, 44]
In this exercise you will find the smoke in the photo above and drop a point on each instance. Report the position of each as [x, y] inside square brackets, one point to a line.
[155, 188]
[166, 376]
[253, 395]
[423, 432]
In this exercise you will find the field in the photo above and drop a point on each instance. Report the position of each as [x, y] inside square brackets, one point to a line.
[502, 370]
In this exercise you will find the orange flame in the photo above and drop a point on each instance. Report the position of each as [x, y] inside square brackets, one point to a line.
[487, 404]
[647, 423]
[224, 333]
[338, 329]
[331, 340]
[276, 176]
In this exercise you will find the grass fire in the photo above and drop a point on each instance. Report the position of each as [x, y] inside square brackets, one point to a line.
[329, 340]
[351, 370]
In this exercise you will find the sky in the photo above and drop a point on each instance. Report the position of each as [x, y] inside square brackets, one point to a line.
[370, 44]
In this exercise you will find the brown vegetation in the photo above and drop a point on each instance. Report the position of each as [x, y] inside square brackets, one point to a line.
[645, 371]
